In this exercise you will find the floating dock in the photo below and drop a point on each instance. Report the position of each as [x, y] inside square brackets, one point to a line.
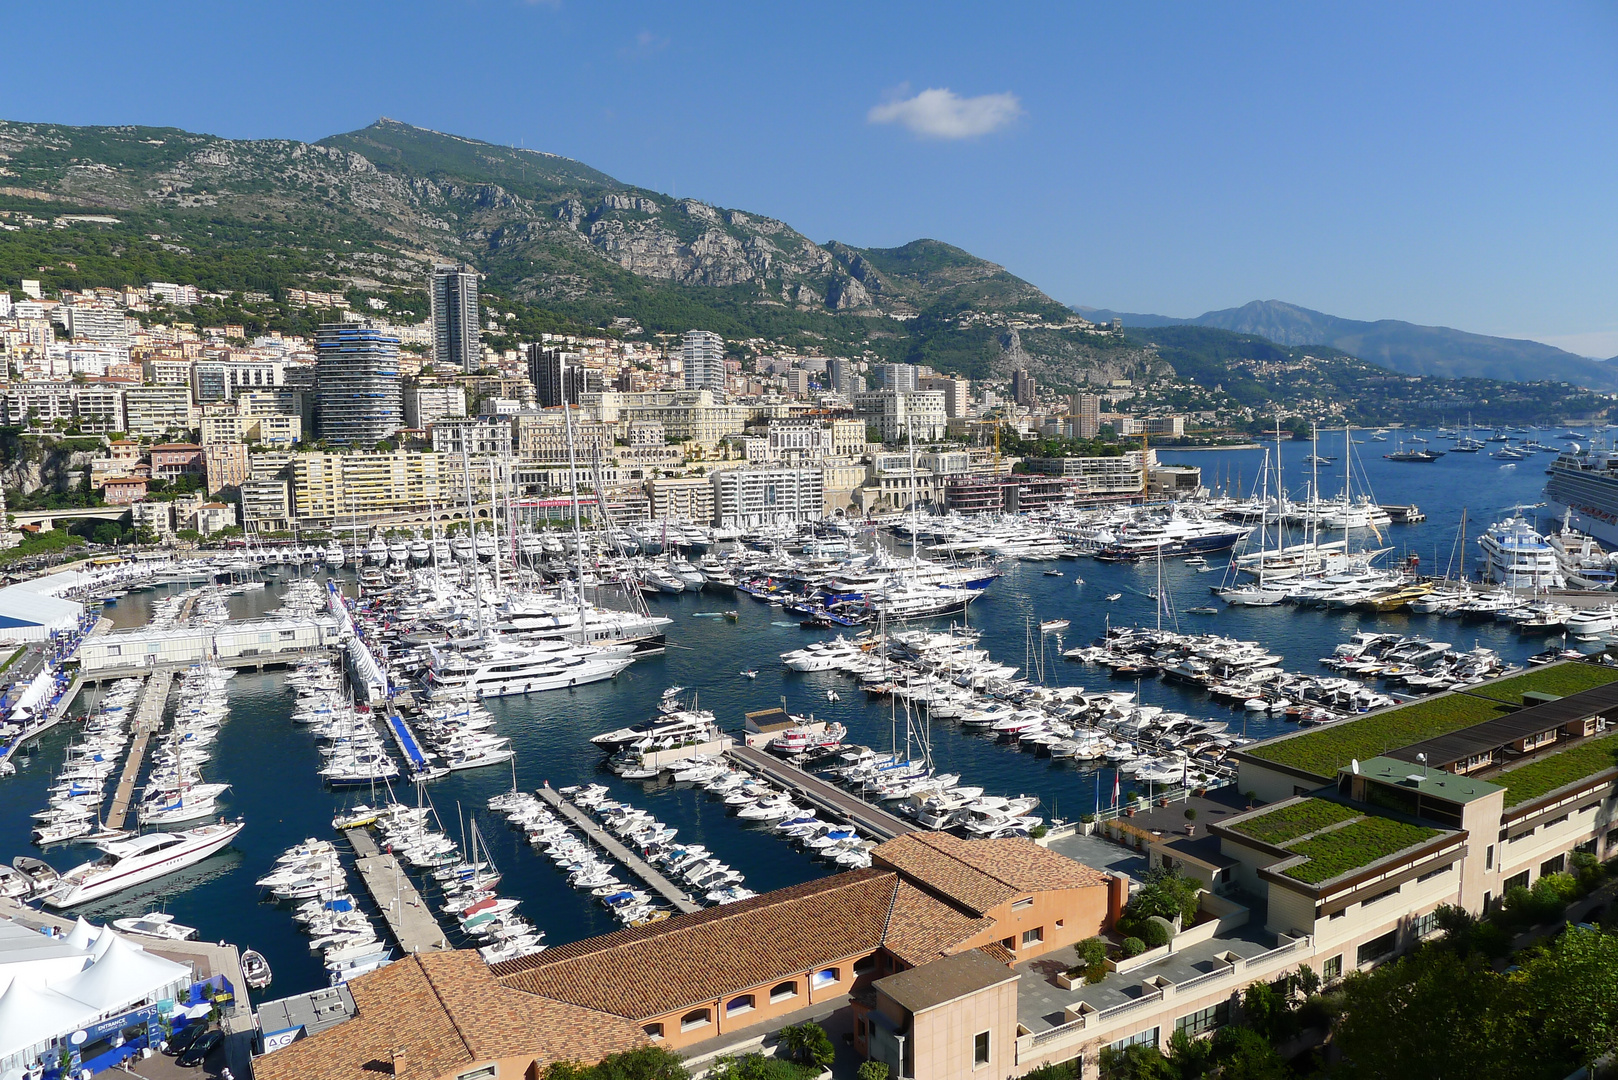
[148, 718]
[410, 920]
[810, 788]
[410, 746]
[633, 863]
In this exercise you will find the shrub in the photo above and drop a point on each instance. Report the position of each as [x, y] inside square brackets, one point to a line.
[1191, 813]
[1154, 933]
[807, 1044]
[872, 1070]
[1134, 946]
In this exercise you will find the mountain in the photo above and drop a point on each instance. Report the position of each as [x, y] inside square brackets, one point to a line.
[561, 246]
[1401, 346]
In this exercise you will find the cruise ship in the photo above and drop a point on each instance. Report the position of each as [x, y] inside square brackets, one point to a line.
[1583, 490]
[1519, 557]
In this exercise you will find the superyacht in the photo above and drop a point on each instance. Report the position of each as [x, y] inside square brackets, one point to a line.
[1518, 557]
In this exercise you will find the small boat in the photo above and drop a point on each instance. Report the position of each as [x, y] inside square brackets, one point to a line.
[832, 695]
[156, 924]
[1053, 573]
[731, 615]
[1114, 596]
[1202, 610]
[749, 674]
[1196, 560]
[1050, 626]
[255, 969]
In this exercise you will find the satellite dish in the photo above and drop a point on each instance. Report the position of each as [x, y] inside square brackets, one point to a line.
[1354, 766]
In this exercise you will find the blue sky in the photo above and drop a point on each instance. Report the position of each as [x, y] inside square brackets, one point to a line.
[1451, 164]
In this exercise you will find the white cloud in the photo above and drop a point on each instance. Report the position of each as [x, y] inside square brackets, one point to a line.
[1600, 344]
[944, 114]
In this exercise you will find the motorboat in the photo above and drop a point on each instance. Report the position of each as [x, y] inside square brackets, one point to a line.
[156, 924]
[127, 863]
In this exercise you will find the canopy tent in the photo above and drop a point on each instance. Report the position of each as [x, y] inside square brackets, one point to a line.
[33, 1016]
[82, 936]
[123, 976]
[36, 958]
[26, 614]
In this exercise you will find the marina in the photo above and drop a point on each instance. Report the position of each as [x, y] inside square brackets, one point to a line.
[154, 696]
[528, 741]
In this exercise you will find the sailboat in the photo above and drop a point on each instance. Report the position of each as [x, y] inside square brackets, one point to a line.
[1261, 593]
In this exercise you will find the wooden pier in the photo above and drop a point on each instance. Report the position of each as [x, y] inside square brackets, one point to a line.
[148, 718]
[834, 800]
[411, 921]
[633, 863]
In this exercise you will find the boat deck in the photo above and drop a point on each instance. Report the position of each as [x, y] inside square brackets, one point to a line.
[148, 718]
[826, 796]
[410, 920]
[634, 863]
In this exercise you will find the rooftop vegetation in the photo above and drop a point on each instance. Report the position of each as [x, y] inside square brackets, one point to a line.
[1327, 749]
[1558, 679]
[1289, 822]
[1544, 775]
[1353, 846]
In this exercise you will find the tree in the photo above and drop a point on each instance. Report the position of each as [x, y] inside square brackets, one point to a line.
[872, 1070]
[807, 1044]
[645, 1063]
[1575, 982]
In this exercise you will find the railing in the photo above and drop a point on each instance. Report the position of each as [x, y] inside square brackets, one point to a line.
[1044, 1038]
[1118, 1010]
[1279, 950]
[1209, 977]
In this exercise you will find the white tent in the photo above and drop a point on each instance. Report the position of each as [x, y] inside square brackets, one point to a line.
[123, 976]
[32, 1017]
[82, 936]
[36, 958]
[29, 615]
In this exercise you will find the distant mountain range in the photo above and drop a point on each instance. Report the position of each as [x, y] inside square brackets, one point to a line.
[1402, 346]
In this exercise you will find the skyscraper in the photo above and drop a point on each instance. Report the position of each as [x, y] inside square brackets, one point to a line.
[1022, 387]
[549, 369]
[1086, 412]
[454, 292]
[359, 397]
[901, 377]
[703, 354]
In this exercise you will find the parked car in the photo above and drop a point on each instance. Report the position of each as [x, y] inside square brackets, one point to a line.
[198, 1051]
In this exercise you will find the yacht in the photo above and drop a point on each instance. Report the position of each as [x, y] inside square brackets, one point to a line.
[680, 725]
[549, 617]
[496, 668]
[334, 555]
[137, 860]
[1518, 557]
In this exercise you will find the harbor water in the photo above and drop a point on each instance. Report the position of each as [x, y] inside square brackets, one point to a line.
[271, 763]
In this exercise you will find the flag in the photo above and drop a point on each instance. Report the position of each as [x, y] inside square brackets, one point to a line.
[1115, 775]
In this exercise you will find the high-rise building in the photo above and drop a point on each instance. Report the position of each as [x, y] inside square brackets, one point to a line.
[703, 354]
[454, 292]
[557, 375]
[1022, 387]
[898, 377]
[844, 378]
[359, 397]
[1086, 411]
[957, 393]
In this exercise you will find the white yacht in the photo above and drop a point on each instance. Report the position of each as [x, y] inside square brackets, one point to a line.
[1519, 557]
[498, 667]
[139, 859]
[549, 617]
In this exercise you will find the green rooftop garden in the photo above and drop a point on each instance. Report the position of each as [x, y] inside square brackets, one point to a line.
[1289, 822]
[1325, 750]
[1544, 775]
[1558, 679]
[1353, 846]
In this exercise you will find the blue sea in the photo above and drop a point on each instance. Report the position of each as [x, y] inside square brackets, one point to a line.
[271, 764]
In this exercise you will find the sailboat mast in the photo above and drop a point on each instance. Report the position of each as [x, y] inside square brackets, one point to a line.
[573, 495]
[471, 514]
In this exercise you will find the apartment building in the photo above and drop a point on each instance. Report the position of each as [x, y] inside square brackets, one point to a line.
[957, 393]
[170, 460]
[1085, 410]
[157, 410]
[39, 402]
[359, 398]
[702, 352]
[98, 408]
[101, 324]
[172, 372]
[541, 438]
[686, 415]
[681, 498]
[266, 505]
[482, 435]
[1023, 389]
[897, 415]
[453, 292]
[427, 403]
[328, 487]
[234, 426]
[1099, 476]
[748, 497]
[225, 464]
[900, 378]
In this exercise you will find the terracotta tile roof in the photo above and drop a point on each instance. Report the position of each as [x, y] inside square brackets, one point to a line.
[443, 1012]
[681, 962]
[981, 874]
[923, 928]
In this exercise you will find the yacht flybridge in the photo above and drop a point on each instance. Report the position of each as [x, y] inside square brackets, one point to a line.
[498, 667]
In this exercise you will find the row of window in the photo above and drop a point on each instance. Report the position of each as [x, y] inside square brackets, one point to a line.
[744, 1003]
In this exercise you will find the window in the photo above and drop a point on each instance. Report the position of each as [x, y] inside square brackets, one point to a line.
[1343, 914]
[980, 1049]
[783, 991]
[1010, 943]
[1332, 969]
[1612, 837]
[695, 1018]
[864, 964]
[1588, 847]
[1425, 925]
[1140, 1038]
[653, 1031]
[1488, 858]
[115, 650]
[1377, 948]
[824, 977]
[1033, 937]
[1018, 905]
[739, 1005]
[1554, 821]
[1517, 881]
[1553, 866]
[485, 1073]
[1383, 895]
[1429, 875]
[1196, 1023]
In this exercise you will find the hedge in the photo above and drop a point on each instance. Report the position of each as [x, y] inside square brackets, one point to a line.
[1290, 822]
[1544, 775]
[1353, 846]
